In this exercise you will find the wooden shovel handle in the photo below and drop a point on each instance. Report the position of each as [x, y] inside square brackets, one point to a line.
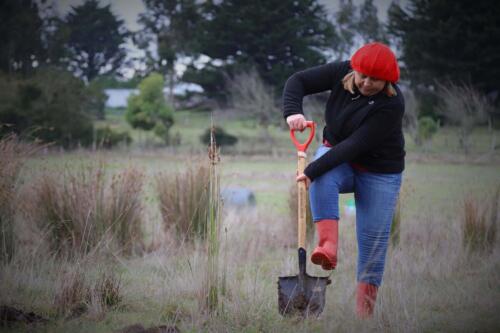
[302, 201]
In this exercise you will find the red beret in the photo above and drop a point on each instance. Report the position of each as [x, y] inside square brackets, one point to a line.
[376, 60]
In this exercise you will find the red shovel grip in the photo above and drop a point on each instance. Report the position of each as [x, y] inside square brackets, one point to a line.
[303, 146]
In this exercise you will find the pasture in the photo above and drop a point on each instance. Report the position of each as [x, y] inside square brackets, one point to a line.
[432, 282]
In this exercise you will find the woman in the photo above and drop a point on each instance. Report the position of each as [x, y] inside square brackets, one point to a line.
[362, 152]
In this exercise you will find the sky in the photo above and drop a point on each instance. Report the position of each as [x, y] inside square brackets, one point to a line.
[128, 10]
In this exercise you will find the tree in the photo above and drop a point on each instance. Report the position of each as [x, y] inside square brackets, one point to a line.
[20, 36]
[96, 102]
[369, 27]
[356, 25]
[251, 96]
[345, 19]
[464, 106]
[148, 110]
[95, 40]
[277, 37]
[171, 25]
[49, 106]
[449, 40]
[236, 35]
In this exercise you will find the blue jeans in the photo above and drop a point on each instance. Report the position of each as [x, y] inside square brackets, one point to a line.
[375, 196]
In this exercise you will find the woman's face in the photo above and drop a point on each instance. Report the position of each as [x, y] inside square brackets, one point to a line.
[368, 85]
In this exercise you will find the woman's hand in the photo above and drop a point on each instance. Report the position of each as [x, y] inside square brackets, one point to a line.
[296, 122]
[303, 178]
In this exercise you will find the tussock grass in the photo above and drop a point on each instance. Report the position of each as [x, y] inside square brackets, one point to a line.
[125, 209]
[431, 283]
[184, 200]
[13, 154]
[480, 222]
[81, 210]
[73, 294]
[78, 292]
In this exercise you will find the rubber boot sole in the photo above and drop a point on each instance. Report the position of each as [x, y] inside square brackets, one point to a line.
[320, 258]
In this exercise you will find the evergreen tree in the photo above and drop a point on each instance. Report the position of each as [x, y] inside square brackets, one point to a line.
[369, 27]
[278, 37]
[346, 22]
[21, 46]
[95, 38]
[357, 25]
[454, 40]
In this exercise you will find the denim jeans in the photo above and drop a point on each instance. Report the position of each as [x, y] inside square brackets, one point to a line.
[375, 196]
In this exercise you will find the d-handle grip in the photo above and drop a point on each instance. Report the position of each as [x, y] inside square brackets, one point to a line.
[303, 146]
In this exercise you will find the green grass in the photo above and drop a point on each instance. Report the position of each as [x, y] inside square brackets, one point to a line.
[191, 124]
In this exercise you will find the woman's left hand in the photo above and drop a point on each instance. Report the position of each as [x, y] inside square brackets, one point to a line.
[303, 177]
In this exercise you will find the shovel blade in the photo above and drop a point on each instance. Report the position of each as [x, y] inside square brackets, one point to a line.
[302, 295]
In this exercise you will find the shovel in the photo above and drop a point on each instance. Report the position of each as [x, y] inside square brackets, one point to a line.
[302, 294]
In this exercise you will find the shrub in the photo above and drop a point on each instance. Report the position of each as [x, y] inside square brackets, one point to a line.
[109, 138]
[427, 127]
[50, 106]
[221, 137]
[148, 109]
[184, 199]
[79, 210]
[479, 226]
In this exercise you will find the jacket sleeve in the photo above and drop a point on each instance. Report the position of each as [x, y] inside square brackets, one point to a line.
[369, 135]
[310, 81]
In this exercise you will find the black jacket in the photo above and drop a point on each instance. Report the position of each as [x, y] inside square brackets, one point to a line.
[366, 130]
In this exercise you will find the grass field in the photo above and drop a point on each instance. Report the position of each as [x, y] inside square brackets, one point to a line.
[431, 284]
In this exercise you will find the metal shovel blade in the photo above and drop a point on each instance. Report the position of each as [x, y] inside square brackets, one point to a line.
[302, 294]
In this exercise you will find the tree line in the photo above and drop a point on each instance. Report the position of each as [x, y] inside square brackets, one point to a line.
[53, 68]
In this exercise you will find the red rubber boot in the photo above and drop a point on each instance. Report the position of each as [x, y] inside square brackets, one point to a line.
[325, 254]
[366, 295]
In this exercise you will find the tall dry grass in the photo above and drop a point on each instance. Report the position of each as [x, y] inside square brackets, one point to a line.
[213, 275]
[82, 210]
[466, 107]
[13, 154]
[125, 210]
[480, 222]
[184, 201]
[429, 283]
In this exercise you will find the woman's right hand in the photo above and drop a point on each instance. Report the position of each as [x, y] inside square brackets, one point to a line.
[296, 122]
